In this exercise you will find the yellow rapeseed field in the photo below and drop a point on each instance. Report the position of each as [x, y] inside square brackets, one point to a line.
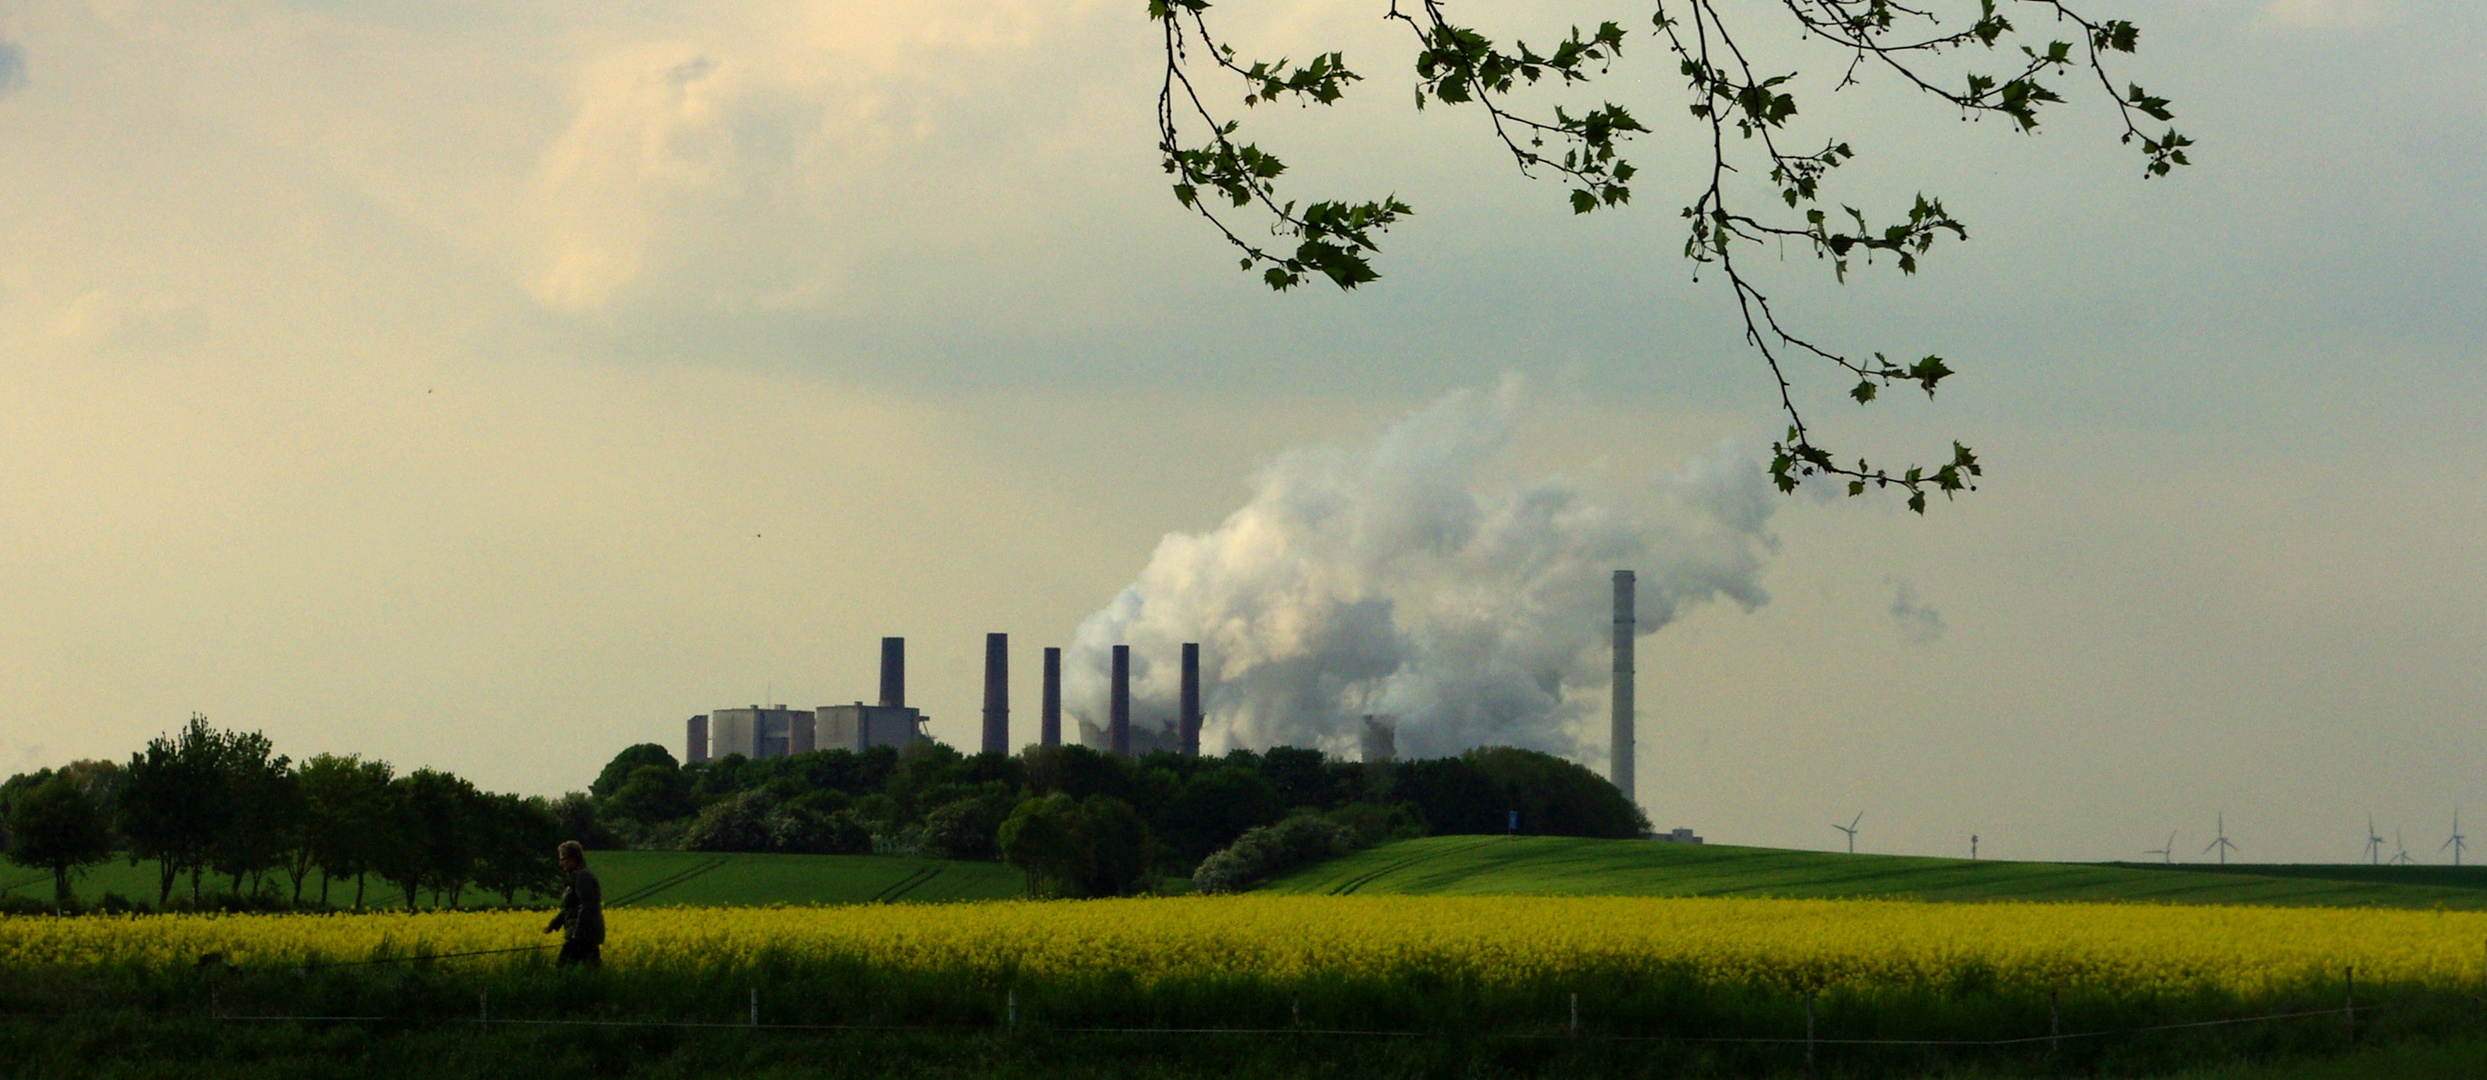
[1487, 940]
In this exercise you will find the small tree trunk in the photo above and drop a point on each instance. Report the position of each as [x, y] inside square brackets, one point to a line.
[165, 876]
[60, 888]
[358, 889]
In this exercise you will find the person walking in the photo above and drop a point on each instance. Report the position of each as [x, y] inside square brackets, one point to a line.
[581, 919]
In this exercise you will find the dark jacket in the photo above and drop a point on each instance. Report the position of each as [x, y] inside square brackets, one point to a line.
[582, 910]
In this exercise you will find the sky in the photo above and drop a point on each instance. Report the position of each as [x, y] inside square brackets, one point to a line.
[493, 385]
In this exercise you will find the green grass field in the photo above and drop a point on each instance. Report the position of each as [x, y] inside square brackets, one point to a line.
[646, 878]
[1472, 865]
[1547, 865]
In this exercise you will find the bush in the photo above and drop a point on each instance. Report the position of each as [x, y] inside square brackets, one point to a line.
[1269, 850]
[958, 830]
[1374, 823]
[796, 830]
[738, 823]
[755, 821]
[1098, 846]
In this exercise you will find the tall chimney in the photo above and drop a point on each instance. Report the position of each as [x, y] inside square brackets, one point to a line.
[1190, 721]
[894, 672]
[1623, 743]
[1118, 707]
[1049, 710]
[997, 693]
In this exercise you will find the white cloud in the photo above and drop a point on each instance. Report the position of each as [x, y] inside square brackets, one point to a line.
[730, 166]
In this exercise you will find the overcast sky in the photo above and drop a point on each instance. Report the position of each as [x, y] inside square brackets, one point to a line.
[491, 384]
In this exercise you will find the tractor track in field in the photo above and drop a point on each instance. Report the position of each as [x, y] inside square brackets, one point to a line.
[1359, 881]
[668, 881]
[905, 885]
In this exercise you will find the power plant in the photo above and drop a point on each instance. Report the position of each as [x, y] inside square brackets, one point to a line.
[766, 731]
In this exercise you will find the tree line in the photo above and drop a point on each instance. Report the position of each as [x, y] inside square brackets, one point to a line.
[222, 813]
[1080, 822]
[222, 807]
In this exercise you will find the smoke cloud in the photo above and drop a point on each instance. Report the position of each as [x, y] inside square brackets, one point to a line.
[1400, 578]
[1918, 621]
[12, 67]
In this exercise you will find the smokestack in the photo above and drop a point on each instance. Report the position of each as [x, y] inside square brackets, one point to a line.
[997, 693]
[1118, 724]
[1049, 709]
[894, 672]
[1190, 721]
[1623, 744]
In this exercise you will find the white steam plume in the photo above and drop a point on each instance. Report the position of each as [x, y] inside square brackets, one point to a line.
[1396, 579]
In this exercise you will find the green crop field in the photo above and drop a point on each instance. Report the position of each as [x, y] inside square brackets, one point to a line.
[1548, 865]
[645, 878]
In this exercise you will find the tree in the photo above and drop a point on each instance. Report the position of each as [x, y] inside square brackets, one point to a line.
[174, 805]
[652, 794]
[736, 823]
[434, 814]
[59, 827]
[346, 818]
[1043, 838]
[963, 829]
[1215, 807]
[263, 806]
[1556, 797]
[1120, 848]
[1761, 189]
[617, 772]
[515, 853]
[577, 813]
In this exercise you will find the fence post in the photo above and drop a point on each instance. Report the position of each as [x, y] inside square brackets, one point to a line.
[483, 1007]
[2350, 1008]
[1575, 1014]
[1295, 1011]
[1012, 1023]
[2055, 1022]
[755, 1006]
[1808, 1031]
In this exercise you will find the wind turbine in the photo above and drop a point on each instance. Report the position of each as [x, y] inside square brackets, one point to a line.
[2458, 841]
[2167, 851]
[2374, 843]
[2221, 845]
[1851, 829]
[2400, 853]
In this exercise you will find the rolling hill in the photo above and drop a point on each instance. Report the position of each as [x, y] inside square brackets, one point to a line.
[1547, 865]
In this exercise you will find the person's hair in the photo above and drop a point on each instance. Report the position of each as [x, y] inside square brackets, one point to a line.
[571, 850]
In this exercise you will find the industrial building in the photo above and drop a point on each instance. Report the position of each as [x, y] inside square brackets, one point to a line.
[761, 731]
[767, 731]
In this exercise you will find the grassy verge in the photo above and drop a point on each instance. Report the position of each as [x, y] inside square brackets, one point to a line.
[109, 1046]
